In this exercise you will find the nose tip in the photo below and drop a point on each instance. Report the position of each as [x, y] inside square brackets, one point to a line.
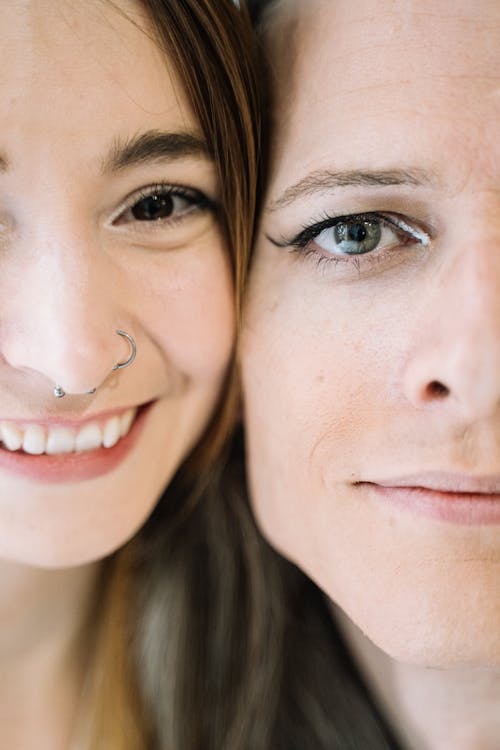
[452, 360]
[59, 391]
[69, 303]
[461, 376]
[70, 360]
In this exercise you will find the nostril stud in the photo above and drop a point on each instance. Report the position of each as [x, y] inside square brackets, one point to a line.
[60, 392]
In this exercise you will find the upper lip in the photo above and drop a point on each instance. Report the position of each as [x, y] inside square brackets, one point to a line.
[446, 482]
[68, 422]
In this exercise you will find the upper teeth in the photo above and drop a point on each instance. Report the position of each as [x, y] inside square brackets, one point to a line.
[52, 440]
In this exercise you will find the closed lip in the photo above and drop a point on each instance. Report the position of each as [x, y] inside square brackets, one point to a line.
[443, 482]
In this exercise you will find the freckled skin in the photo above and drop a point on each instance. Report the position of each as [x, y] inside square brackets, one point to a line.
[339, 359]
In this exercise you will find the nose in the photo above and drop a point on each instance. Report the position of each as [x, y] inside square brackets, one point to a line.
[454, 360]
[61, 320]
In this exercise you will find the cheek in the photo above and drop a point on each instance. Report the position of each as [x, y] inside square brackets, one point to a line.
[324, 407]
[318, 369]
[190, 312]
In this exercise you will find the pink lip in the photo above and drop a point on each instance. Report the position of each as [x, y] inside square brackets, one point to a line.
[74, 467]
[447, 482]
[458, 499]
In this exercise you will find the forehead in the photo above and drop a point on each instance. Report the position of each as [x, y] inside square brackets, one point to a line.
[66, 67]
[388, 76]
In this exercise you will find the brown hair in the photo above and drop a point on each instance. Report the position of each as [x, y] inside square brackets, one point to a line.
[311, 695]
[206, 639]
[238, 649]
[235, 649]
[151, 673]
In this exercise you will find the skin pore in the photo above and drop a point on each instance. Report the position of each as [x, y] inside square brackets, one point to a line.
[108, 202]
[371, 349]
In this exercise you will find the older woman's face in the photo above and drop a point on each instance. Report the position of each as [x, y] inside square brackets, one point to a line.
[107, 221]
[371, 352]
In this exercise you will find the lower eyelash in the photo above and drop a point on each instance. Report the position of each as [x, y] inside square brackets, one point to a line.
[198, 200]
[356, 261]
[310, 233]
[302, 243]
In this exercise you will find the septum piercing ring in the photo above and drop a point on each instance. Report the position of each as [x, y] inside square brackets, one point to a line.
[60, 393]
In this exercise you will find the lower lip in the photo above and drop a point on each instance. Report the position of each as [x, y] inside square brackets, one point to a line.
[74, 467]
[461, 508]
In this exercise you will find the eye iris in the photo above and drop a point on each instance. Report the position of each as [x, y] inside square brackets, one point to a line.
[358, 237]
[153, 207]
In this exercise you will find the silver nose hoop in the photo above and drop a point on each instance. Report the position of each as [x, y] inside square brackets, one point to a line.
[60, 393]
[133, 351]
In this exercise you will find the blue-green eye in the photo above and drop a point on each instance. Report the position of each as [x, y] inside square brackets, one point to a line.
[362, 234]
[355, 234]
[353, 237]
[359, 235]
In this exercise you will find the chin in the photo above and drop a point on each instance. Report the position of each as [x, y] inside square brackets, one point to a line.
[52, 552]
[67, 534]
[430, 633]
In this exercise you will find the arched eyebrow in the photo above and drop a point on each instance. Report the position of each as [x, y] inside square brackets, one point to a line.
[154, 145]
[322, 181]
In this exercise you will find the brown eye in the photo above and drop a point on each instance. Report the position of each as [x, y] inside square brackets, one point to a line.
[154, 207]
[168, 205]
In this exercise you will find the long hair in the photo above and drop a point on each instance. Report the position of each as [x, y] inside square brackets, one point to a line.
[151, 682]
[206, 639]
[313, 696]
[235, 648]
[238, 648]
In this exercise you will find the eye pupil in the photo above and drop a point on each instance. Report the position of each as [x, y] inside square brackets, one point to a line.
[357, 237]
[153, 207]
[357, 232]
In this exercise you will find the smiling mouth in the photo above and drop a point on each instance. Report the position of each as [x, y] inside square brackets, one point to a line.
[38, 439]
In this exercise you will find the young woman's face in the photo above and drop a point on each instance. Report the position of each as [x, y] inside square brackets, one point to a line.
[371, 354]
[107, 222]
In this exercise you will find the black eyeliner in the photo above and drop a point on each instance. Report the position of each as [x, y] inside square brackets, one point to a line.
[196, 197]
[309, 233]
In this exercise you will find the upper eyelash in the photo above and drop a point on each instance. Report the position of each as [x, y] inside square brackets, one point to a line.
[311, 231]
[198, 198]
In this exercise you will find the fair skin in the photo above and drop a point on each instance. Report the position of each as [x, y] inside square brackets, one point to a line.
[85, 251]
[371, 351]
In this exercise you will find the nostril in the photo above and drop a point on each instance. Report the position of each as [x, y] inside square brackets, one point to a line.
[437, 390]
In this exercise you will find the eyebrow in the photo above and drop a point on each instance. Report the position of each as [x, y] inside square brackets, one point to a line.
[325, 179]
[146, 147]
[154, 145]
